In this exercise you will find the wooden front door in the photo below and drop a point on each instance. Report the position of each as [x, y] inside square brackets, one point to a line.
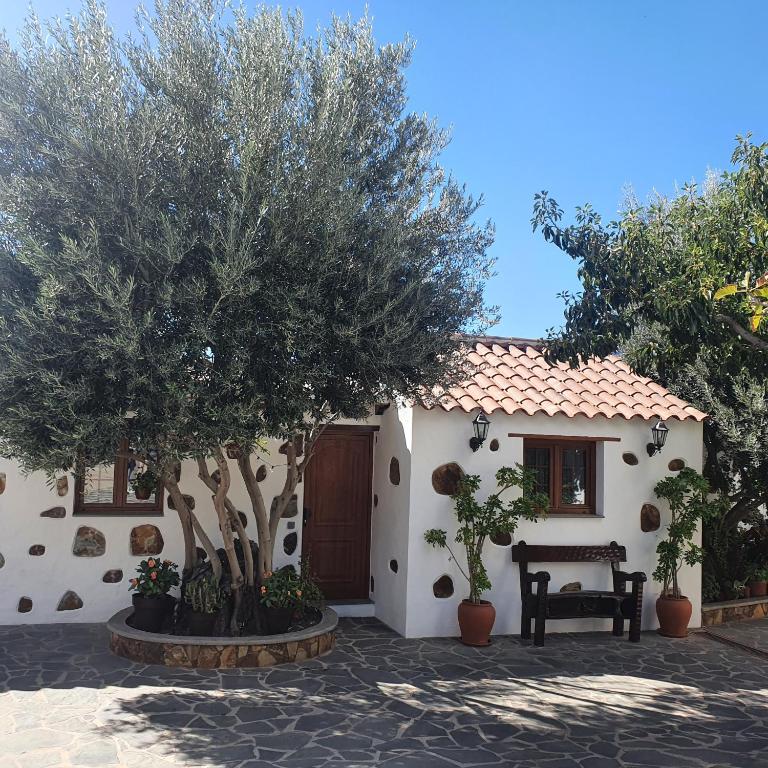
[337, 512]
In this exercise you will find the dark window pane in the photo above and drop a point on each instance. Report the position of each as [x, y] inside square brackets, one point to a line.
[574, 479]
[537, 460]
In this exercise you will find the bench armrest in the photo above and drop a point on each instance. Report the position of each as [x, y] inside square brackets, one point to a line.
[638, 577]
[538, 577]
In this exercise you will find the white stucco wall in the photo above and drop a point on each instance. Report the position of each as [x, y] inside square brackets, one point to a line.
[44, 579]
[440, 437]
[390, 516]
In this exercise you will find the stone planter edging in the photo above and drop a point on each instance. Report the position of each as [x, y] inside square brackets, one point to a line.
[221, 652]
[748, 608]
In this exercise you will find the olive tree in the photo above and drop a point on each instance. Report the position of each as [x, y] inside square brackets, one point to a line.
[216, 231]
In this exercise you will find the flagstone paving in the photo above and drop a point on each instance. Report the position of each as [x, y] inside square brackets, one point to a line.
[586, 701]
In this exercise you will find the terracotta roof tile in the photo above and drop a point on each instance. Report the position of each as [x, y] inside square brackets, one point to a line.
[514, 376]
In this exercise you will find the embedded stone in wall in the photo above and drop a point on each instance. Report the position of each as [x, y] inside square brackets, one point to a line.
[298, 445]
[447, 478]
[494, 446]
[36, 550]
[3, 481]
[291, 508]
[70, 601]
[89, 542]
[443, 587]
[394, 471]
[55, 512]
[188, 500]
[114, 576]
[573, 586]
[501, 539]
[62, 486]
[629, 458]
[290, 542]
[393, 566]
[2, 560]
[676, 465]
[650, 518]
[243, 518]
[372, 583]
[261, 473]
[375, 499]
[234, 451]
[216, 476]
[201, 554]
[146, 540]
[25, 605]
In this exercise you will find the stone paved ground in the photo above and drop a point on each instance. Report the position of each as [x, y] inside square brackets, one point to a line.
[751, 634]
[583, 700]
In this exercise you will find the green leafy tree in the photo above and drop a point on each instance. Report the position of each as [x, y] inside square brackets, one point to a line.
[215, 232]
[649, 289]
[479, 521]
[690, 503]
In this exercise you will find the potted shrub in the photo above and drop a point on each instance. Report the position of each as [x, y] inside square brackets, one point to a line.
[758, 582]
[477, 522]
[281, 594]
[145, 484]
[688, 496]
[151, 602]
[205, 599]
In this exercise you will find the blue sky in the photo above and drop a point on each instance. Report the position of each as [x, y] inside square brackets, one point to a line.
[579, 98]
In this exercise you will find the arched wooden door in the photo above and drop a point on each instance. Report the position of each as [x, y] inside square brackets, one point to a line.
[337, 512]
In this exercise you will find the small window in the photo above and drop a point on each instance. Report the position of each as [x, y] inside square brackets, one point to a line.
[108, 489]
[564, 470]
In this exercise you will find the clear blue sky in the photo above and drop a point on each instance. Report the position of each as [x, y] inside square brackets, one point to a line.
[579, 98]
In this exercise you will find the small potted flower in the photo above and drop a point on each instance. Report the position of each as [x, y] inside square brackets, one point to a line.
[205, 599]
[281, 594]
[144, 485]
[758, 582]
[151, 602]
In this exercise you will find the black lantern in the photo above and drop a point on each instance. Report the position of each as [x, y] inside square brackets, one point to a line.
[659, 431]
[480, 426]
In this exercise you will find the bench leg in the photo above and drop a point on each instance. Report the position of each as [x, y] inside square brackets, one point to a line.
[618, 627]
[635, 621]
[525, 627]
[538, 634]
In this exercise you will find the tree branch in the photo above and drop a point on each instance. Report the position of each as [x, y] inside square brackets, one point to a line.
[739, 330]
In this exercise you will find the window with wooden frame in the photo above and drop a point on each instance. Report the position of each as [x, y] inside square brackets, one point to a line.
[109, 488]
[565, 470]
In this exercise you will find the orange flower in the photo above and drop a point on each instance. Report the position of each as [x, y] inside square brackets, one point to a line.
[153, 576]
[134, 582]
[151, 562]
[263, 590]
[267, 574]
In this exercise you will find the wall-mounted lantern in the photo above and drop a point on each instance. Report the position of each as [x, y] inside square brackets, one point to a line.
[659, 431]
[480, 426]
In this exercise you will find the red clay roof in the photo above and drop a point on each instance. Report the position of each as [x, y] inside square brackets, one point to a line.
[512, 376]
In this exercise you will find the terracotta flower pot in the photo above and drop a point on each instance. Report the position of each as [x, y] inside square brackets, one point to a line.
[673, 613]
[150, 613]
[758, 588]
[476, 622]
[142, 493]
[747, 591]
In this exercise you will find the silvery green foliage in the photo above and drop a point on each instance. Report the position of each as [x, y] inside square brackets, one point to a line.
[222, 227]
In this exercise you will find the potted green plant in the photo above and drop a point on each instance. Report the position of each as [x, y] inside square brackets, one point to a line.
[476, 523]
[281, 595]
[758, 582]
[145, 484]
[688, 496]
[205, 599]
[151, 602]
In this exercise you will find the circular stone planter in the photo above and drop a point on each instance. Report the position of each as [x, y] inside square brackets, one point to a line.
[221, 652]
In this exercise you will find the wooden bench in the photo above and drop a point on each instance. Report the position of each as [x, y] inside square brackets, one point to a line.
[541, 605]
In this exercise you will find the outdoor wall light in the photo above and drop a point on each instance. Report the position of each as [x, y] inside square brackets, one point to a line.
[480, 426]
[659, 431]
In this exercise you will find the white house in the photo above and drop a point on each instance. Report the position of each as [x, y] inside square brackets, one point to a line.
[370, 493]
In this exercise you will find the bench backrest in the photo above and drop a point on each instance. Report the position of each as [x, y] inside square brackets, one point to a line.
[547, 553]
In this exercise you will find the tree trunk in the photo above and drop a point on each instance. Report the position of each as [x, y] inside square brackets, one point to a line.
[259, 512]
[185, 518]
[219, 505]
